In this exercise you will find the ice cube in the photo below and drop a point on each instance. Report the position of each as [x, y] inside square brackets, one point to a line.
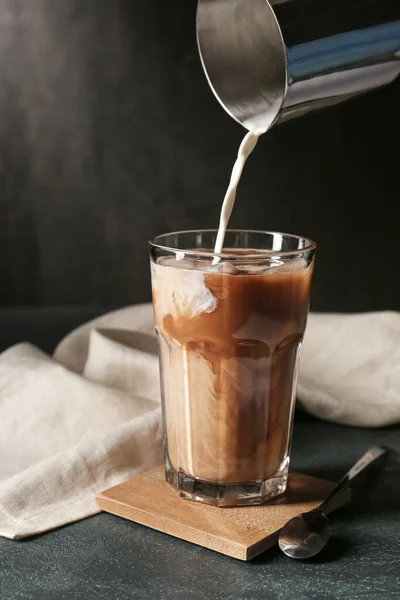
[223, 267]
[180, 291]
[291, 266]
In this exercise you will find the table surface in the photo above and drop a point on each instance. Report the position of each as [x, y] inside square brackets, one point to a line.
[108, 558]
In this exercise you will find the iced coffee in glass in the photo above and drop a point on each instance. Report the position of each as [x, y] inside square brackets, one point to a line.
[230, 329]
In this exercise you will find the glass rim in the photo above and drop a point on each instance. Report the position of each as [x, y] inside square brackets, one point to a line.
[309, 247]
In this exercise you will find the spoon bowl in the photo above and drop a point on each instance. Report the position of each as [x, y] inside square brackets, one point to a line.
[306, 535]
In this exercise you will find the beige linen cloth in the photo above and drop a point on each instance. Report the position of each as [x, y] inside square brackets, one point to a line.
[89, 417]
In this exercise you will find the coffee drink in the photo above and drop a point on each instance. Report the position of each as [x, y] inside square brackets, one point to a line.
[229, 337]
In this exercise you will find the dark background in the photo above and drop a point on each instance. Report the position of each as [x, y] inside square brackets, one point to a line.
[109, 135]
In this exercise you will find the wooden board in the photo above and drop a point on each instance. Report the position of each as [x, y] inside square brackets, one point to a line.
[242, 532]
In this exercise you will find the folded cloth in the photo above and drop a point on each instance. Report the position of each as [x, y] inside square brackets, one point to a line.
[88, 418]
[65, 436]
[350, 368]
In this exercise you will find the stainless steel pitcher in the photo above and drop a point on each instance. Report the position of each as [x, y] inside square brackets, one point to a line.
[269, 61]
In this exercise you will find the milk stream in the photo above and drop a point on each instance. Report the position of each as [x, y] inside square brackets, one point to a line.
[246, 148]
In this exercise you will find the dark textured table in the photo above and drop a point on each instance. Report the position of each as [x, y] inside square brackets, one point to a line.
[108, 558]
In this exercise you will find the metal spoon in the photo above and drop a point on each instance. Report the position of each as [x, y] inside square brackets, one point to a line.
[307, 534]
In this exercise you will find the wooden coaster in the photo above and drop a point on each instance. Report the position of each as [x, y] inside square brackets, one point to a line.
[242, 532]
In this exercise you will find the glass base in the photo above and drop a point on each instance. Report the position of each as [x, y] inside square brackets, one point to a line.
[235, 494]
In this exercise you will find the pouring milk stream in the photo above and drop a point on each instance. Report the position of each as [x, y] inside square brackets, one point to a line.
[246, 148]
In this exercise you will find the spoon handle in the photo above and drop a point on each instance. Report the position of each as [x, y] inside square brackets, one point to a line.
[365, 461]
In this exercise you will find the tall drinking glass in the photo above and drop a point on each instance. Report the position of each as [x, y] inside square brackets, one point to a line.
[230, 329]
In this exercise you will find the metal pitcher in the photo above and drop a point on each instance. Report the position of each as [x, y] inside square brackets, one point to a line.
[269, 61]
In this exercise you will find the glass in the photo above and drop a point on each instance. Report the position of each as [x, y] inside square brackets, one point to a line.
[230, 328]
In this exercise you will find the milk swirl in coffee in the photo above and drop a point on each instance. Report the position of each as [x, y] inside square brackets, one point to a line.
[229, 333]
